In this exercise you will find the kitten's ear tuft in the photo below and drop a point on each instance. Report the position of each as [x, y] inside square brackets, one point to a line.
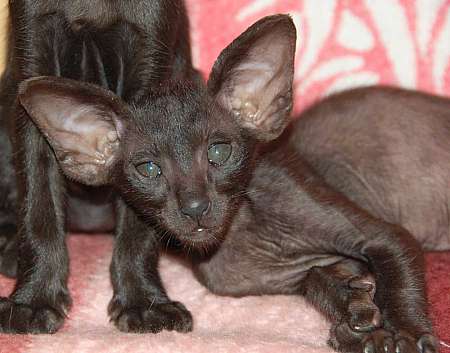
[253, 76]
[83, 123]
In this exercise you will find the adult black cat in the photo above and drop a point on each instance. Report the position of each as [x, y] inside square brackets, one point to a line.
[128, 47]
[212, 167]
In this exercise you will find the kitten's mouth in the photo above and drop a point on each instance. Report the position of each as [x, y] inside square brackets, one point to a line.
[200, 236]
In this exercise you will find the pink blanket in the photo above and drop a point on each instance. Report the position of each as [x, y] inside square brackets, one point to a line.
[341, 44]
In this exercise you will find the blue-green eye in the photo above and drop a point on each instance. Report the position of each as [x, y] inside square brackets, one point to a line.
[219, 153]
[149, 169]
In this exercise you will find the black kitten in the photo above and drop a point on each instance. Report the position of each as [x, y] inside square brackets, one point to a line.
[128, 47]
[212, 167]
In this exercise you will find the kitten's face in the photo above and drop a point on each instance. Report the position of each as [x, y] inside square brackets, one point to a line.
[181, 157]
[190, 172]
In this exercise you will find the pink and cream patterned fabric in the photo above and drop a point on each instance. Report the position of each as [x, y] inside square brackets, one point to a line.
[341, 44]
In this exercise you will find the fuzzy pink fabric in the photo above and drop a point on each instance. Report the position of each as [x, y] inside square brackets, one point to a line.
[267, 324]
[341, 44]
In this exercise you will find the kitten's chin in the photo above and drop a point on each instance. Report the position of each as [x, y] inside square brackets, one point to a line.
[201, 238]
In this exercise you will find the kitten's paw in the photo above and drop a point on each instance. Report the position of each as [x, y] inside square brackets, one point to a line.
[154, 318]
[8, 250]
[401, 342]
[22, 318]
[344, 339]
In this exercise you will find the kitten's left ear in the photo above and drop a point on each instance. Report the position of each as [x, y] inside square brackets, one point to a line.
[253, 76]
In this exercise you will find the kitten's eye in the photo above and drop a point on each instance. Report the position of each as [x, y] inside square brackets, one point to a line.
[149, 169]
[219, 153]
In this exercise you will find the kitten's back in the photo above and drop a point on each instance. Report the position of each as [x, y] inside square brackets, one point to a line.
[388, 150]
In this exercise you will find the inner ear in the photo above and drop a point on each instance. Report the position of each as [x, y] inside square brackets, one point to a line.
[83, 124]
[253, 76]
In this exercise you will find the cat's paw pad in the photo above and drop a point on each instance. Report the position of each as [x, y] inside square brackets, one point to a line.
[22, 318]
[154, 318]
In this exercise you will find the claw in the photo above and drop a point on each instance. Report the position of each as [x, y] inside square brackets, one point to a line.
[427, 344]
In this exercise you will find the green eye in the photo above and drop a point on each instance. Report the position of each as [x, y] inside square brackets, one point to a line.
[219, 153]
[149, 169]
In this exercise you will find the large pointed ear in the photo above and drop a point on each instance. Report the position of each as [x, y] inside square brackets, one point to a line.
[83, 124]
[253, 76]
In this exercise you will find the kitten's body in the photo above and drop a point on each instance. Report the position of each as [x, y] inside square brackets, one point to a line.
[388, 151]
[385, 149]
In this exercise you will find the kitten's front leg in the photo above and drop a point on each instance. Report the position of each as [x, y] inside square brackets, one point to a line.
[394, 259]
[140, 303]
[8, 249]
[344, 293]
[40, 299]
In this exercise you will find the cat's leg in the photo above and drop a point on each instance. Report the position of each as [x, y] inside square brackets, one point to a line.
[8, 201]
[8, 249]
[396, 263]
[344, 293]
[40, 299]
[8, 187]
[140, 303]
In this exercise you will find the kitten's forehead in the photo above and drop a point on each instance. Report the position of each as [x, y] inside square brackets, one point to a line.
[180, 118]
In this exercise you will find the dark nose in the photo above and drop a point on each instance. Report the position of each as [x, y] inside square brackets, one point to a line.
[195, 207]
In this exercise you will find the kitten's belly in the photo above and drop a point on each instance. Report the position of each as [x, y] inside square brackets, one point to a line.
[90, 210]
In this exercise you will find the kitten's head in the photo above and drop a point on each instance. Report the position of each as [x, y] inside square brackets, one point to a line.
[181, 156]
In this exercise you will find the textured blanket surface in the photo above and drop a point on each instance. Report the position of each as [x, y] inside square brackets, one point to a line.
[266, 324]
[341, 44]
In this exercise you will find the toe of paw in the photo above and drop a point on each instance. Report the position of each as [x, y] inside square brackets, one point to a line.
[171, 316]
[46, 321]
[379, 341]
[164, 316]
[20, 318]
[129, 321]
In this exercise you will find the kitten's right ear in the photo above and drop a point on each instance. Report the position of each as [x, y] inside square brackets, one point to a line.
[252, 77]
[83, 123]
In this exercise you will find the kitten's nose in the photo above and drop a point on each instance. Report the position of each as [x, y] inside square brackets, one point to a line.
[195, 207]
